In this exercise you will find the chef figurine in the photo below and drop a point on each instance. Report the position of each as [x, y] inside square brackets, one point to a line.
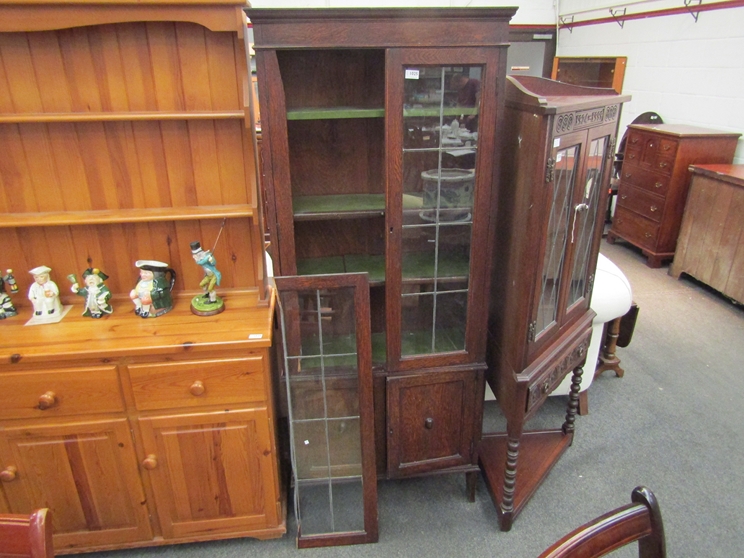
[7, 310]
[97, 295]
[44, 294]
[209, 303]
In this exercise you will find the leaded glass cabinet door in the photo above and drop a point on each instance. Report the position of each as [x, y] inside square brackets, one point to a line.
[562, 176]
[325, 328]
[588, 215]
[440, 132]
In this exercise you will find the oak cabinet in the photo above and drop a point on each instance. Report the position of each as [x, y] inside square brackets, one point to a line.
[558, 149]
[654, 183]
[379, 132]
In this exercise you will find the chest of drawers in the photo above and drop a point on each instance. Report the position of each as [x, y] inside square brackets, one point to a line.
[654, 181]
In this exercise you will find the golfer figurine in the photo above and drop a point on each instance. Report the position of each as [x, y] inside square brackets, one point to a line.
[207, 304]
[44, 294]
[97, 295]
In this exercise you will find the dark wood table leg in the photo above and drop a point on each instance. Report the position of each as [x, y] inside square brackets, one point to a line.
[607, 358]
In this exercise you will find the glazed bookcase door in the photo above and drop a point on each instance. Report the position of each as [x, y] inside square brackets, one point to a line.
[588, 215]
[324, 321]
[440, 139]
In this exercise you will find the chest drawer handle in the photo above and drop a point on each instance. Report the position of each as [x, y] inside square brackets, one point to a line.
[658, 185]
[663, 164]
[666, 147]
[648, 235]
[628, 175]
[150, 462]
[633, 140]
[8, 474]
[631, 156]
[654, 208]
[47, 400]
[197, 388]
[624, 197]
[429, 423]
[545, 387]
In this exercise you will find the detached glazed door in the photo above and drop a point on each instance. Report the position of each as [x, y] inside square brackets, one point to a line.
[440, 119]
[576, 175]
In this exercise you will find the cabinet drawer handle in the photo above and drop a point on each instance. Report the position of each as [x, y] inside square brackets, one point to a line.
[658, 185]
[150, 462]
[654, 208]
[545, 387]
[631, 156]
[663, 164]
[429, 423]
[666, 147]
[648, 235]
[624, 197]
[47, 400]
[633, 140]
[628, 175]
[197, 388]
[8, 474]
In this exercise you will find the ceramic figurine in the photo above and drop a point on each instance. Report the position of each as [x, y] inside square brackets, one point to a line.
[209, 303]
[152, 294]
[97, 295]
[7, 310]
[44, 294]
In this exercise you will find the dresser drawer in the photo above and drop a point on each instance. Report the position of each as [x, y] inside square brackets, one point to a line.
[635, 228]
[651, 181]
[60, 392]
[641, 201]
[196, 383]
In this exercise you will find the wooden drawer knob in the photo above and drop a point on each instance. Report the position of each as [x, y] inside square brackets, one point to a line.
[150, 462]
[197, 388]
[47, 401]
[8, 474]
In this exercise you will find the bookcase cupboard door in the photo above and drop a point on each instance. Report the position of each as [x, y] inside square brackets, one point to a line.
[440, 120]
[85, 472]
[211, 472]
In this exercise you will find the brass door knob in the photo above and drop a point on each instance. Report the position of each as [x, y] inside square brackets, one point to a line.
[47, 400]
[8, 474]
[197, 388]
[150, 462]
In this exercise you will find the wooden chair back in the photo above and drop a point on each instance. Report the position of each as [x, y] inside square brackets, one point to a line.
[639, 521]
[26, 535]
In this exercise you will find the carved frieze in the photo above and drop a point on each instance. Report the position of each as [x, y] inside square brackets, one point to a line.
[582, 119]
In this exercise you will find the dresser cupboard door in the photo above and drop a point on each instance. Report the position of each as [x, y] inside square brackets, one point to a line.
[85, 472]
[211, 472]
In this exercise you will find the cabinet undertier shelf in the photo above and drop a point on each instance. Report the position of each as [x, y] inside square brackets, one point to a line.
[539, 451]
[329, 113]
[123, 333]
[417, 268]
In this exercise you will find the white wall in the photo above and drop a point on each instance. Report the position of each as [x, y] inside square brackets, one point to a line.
[688, 72]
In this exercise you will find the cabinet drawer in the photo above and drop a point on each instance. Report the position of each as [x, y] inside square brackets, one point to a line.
[562, 364]
[651, 181]
[668, 148]
[640, 201]
[635, 228]
[60, 392]
[195, 383]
